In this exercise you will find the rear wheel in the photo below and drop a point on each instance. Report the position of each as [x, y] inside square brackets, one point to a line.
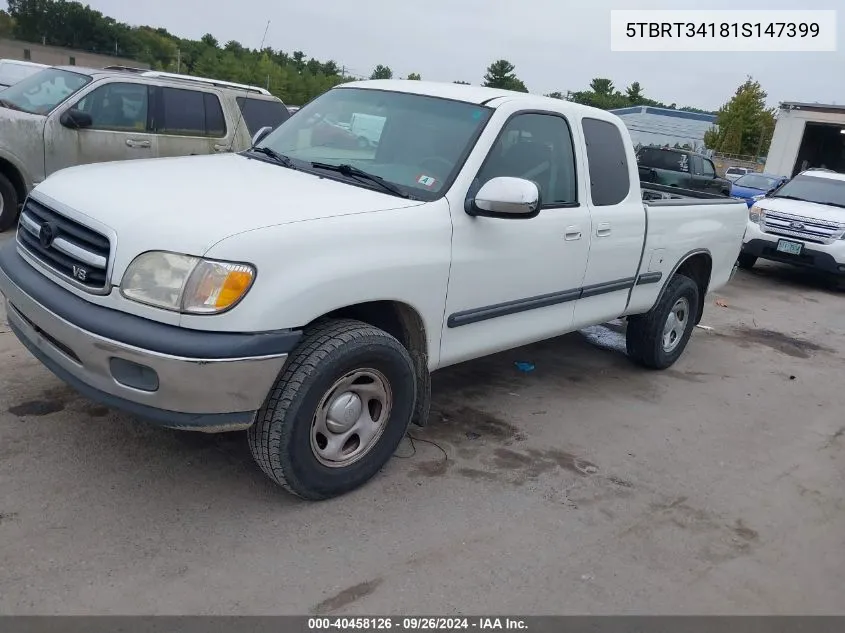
[746, 261]
[337, 412]
[657, 338]
[8, 203]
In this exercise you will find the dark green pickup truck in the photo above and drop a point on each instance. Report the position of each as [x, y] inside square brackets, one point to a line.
[680, 168]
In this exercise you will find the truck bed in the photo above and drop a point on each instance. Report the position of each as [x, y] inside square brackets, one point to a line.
[666, 195]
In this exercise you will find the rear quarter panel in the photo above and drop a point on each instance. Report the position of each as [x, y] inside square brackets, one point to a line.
[677, 230]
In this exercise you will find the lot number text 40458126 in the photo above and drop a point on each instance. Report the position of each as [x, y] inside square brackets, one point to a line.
[386, 623]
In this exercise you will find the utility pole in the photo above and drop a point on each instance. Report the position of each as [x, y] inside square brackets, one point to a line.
[178, 60]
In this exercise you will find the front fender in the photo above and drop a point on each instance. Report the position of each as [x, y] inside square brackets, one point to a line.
[311, 268]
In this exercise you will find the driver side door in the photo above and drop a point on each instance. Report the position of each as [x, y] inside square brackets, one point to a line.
[515, 281]
[121, 121]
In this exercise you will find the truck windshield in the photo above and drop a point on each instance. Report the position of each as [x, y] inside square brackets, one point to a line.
[42, 92]
[827, 191]
[756, 181]
[415, 142]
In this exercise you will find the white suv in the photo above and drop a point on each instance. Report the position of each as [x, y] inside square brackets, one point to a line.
[801, 223]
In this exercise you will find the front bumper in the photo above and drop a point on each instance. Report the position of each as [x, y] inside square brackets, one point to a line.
[811, 255]
[173, 376]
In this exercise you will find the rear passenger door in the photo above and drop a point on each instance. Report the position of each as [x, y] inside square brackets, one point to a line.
[190, 122]
[618, 223]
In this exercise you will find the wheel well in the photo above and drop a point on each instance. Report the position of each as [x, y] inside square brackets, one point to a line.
[698, 268]
[14, 176]
[395, 318]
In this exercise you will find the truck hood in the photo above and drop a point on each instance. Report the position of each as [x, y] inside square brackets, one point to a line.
[805, 209]
[188, 204]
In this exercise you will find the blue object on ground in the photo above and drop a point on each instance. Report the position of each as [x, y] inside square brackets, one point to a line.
[526, 367]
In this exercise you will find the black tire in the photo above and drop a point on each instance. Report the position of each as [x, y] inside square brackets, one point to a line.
[8, 204]
[644, 337]
[746, 261]
[280, 439]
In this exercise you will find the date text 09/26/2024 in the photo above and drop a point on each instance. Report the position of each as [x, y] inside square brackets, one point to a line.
[387, 623]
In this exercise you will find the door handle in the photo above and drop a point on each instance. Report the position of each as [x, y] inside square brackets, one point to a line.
[572, 233]
[603, 229]
[131, 142]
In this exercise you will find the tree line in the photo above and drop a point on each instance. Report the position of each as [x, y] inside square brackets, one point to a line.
[744, 123]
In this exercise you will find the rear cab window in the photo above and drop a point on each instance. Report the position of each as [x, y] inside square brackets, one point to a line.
[607, 162]
[259, 113]
[663, 159]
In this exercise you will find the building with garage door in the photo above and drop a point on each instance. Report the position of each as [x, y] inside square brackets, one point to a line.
[807, 135]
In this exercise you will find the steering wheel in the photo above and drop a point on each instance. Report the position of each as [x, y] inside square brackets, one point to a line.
[431, 160]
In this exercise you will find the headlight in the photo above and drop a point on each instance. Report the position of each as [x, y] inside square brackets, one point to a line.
[183, 283]
[758, 197]
[756, 214]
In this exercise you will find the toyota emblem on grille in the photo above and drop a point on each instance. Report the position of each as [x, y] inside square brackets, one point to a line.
[797, 225]
[46, 235]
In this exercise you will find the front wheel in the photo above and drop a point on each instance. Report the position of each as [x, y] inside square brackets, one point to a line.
[338, 411]
[658, 338]
[8, 204]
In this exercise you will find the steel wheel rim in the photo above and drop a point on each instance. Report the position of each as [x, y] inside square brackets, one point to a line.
[676, 324]
[351, 418]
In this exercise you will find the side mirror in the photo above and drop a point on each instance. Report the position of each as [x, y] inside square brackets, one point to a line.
[261, 134]
[505, 197]
[76, 119]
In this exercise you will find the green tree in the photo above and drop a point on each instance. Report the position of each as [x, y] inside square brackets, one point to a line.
[382, 72]
[634, 93]
[555, 95]
[209, 40]
[7, 25]
[463, 83]
[500, 74]
[744, 125]
[414, 77]
[602, 87]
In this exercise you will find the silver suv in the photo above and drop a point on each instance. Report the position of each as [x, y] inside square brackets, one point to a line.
[66, 116]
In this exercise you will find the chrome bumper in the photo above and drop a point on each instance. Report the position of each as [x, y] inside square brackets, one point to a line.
[206, 394]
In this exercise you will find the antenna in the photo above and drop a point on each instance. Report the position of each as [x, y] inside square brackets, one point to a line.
[242, 107]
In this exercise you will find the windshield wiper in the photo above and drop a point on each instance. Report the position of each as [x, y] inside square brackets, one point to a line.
[281, 159]
[354, 172]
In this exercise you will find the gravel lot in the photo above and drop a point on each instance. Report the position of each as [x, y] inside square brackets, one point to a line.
[585, 486]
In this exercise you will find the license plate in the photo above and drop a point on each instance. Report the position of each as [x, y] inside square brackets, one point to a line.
[791, 248]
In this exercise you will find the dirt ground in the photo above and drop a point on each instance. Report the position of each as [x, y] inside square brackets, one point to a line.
[585, 486]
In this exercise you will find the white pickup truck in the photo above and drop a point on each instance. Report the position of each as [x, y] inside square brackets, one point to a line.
[305, 289]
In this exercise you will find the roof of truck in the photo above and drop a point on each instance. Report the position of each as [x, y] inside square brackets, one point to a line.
[473, 94]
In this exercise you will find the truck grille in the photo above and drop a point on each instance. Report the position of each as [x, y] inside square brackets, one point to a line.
[809, 229]
[69, 248]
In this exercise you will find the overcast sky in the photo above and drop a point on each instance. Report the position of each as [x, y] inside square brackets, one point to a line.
[554, 44]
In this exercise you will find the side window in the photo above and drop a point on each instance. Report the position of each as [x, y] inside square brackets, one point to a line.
[215, 122]
[191, 113]
[708, 169]
[696, 165]
[259, 113]
[536, 147]
[117, 106]
[607, 157]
